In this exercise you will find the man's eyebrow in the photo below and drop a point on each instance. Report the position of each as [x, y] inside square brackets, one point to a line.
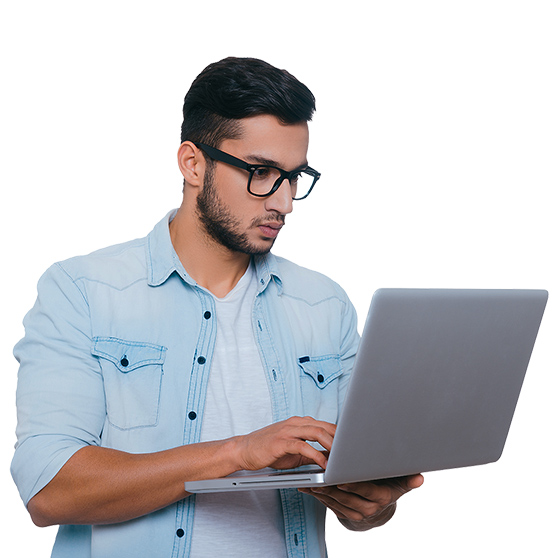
[258, 159]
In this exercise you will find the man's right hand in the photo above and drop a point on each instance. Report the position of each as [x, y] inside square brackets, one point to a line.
[284, 445]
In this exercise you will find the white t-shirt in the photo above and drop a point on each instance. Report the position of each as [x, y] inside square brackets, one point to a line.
[247, 524]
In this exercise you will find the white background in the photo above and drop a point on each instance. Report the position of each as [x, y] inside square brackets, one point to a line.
[436, 135]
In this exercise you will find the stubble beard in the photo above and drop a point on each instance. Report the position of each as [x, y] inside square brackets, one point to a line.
[221, 226]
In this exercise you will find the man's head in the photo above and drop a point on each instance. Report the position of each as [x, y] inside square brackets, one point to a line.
[245, 128]
[235, 88]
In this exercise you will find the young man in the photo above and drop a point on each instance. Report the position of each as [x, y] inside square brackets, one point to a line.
[195, 353]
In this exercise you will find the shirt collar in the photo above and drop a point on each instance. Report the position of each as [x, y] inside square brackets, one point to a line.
[267, 269]
[162, 259]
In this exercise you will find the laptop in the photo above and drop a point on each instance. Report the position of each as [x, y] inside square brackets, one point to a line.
[435, 384]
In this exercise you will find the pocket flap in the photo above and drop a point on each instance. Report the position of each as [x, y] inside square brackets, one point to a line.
[321, 369]
[127, 355]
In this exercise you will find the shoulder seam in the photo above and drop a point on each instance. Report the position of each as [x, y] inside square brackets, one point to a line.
[326, 299]
[120, 289]
[60, 266]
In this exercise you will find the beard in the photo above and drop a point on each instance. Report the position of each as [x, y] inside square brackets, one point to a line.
[223, 227]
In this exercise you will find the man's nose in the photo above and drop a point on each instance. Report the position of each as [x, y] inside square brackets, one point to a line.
[282, 199]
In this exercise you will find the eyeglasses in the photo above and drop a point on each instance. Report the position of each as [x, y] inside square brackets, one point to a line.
[265, 180]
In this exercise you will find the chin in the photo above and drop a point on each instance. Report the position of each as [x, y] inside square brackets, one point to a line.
[260, 249]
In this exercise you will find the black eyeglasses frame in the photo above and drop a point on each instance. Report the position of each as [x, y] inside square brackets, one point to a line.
[219, 155]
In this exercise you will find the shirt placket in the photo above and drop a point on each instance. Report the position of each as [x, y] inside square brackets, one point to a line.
[195, 402]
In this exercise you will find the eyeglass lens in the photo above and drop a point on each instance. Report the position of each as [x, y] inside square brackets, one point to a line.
[264, 179]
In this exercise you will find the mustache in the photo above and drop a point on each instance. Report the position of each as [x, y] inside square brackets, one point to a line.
[270, 219]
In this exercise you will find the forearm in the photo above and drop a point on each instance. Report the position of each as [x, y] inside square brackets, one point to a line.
[100, 485]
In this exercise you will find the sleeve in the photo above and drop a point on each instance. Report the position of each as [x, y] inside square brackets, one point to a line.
[60, 396]
[350, 340]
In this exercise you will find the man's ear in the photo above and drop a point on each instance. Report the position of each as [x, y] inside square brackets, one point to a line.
[191, 163]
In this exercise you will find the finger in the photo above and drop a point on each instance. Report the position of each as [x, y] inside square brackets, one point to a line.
[369, 492]
[367, 506]
[306, 450]
[313, 433]
[415, 481]
[345, 506]
[384, 491]
[404, 484]
[328, 427]
[302, 430]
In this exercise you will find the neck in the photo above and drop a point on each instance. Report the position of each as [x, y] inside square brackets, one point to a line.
[210, 264]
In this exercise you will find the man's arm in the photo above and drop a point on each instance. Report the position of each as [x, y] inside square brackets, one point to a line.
[364, 505]
[101, 485]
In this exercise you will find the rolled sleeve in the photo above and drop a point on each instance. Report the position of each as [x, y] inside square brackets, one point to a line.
[60, 396]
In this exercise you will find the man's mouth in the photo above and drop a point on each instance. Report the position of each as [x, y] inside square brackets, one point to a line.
[270, 230]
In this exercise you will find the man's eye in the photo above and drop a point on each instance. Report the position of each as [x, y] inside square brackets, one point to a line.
[295, 177]
[261, 173]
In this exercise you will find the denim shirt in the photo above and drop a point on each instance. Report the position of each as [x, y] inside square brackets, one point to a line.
[116, 353]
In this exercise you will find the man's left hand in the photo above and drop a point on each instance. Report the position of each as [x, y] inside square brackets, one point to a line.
[363, 505]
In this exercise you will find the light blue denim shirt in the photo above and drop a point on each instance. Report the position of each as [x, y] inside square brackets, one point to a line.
[116, 353]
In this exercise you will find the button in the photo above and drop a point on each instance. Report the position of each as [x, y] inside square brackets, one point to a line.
[320, 378]
[207, 315]
[192, 415]
[201, 360]
[124, 362]
[180, 533]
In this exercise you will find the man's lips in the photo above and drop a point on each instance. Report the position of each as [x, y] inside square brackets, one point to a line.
[271, 230]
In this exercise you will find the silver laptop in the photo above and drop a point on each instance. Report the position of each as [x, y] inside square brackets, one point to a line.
[434, 386]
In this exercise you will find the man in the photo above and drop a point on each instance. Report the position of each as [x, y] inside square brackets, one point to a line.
[193, 353]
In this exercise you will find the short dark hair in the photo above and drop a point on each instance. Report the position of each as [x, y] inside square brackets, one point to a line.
[236, 88]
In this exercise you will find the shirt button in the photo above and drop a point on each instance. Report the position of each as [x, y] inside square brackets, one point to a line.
[180, 533]
[320, 378]
[207, 315]
[192, 415]
[201, 360]
[124, 362]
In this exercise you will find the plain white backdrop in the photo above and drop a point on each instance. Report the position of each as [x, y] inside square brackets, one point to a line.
[437, 137]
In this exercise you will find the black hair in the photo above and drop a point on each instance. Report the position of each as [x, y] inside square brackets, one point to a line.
[236, 88]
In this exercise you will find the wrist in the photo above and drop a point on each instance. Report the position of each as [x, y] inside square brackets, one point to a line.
[233, 450]
[370, 522]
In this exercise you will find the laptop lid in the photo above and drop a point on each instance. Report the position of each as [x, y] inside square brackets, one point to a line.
[437, 379]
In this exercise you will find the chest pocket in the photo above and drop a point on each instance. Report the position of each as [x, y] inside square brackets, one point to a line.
[132, 375]
[319, 382]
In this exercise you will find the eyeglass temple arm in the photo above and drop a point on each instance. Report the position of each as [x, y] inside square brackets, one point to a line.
[219, 155]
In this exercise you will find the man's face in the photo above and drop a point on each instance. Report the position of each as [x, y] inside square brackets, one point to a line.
[229, 213]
